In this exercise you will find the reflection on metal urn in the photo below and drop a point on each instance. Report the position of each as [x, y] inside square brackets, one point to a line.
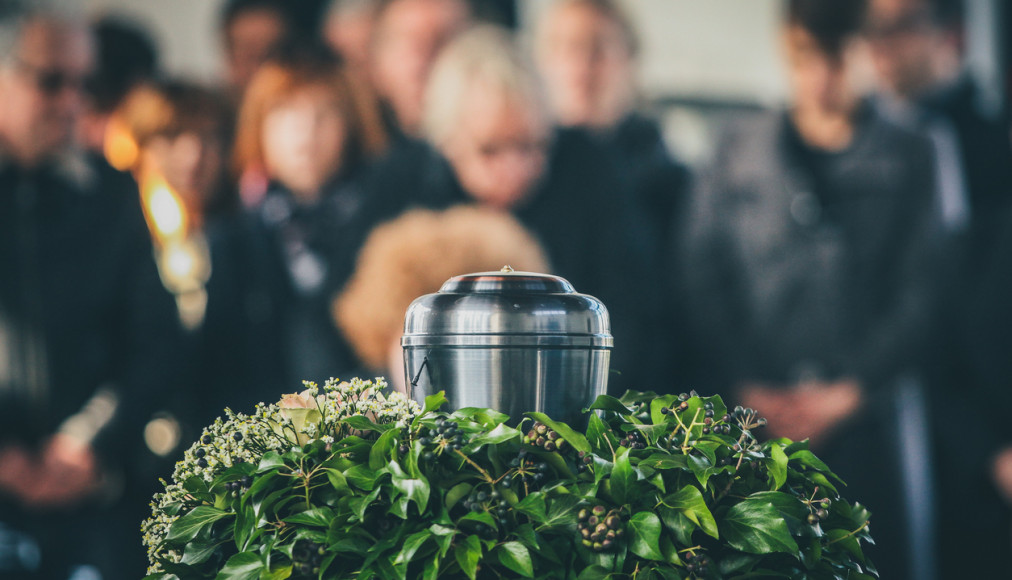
[511, 341]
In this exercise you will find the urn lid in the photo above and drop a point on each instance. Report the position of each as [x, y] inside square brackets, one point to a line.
[507, 308]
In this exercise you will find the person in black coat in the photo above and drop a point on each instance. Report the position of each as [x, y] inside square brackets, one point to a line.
[493, 145]
[808, 273]
[311, 134]
[918, 48]
[587, 53]
[89, 343]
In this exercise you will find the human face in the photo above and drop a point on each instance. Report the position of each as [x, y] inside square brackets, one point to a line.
[588, 67]
[191, 163]
[408, 38]
[304, 141]
[499, 148]
[250, 40]
[820, 82]
[903, 42]
[40, 91]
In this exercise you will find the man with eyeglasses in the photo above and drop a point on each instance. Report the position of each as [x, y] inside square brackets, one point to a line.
[917, 48]
[87, 334]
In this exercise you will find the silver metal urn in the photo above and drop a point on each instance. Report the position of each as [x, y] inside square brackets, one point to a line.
[511, 341]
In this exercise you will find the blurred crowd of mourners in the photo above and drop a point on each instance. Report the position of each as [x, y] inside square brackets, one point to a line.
[167, 249]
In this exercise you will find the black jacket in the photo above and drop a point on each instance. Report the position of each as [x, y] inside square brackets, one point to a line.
[798, 265]
[81, 304]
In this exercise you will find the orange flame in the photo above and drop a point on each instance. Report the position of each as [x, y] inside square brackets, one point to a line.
[166, 215]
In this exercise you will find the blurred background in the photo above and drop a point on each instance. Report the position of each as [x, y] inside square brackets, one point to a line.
[802, 205]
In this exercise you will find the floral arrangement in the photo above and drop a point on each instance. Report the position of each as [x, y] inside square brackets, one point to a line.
[347, 482]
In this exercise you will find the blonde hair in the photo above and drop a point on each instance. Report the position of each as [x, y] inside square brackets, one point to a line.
[413, 255]
[486, 55]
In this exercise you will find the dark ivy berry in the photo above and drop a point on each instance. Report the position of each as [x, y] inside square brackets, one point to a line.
[403, 449]
[237, 436]
[201, 463]
[200, 452]
[813, 519]
[206, 439]
[708, 406]
[682, 397]
[428, 456]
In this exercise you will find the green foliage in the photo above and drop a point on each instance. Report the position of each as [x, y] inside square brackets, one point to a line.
[656, 487]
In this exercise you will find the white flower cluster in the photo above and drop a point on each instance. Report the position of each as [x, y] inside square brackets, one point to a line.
[295, 420]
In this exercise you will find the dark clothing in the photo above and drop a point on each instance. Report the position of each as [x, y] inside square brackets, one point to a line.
[590, 231]
[275, 271]
[807, 264]
[965, 358]
[84, 320]
[789, 275]
[657, 181]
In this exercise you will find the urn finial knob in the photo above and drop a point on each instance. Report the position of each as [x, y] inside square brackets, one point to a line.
[506, 269]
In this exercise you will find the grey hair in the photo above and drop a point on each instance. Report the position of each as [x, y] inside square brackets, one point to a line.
[487, 55]
[16, 14]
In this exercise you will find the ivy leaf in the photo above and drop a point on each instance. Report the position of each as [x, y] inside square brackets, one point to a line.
[776, 465]
[318, 517]
[645, 535]
[562, 510]
[337, 480]
[578, 441]
[516, 557]
[361, 477]
[623, 478]
[842, 539]
[689, 501]
[534, 506]
[664, 461]
[416, 490]
[500, 434]
[596, 430]
[467, 554]
[242, 566]
[434, 402]
[379, 455]
[656, 416]
[198, 552]
[791, 509]
[457, 493]
[271, 460]
[609, 403]
[680, 525]
[187, 527]
[246, 528]
[411, 545]
[756, 527]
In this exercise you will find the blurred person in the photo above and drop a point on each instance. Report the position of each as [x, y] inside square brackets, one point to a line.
[808, 275]
[407, 37]
[918, 49]
[125, 56]
[587, 53]
[253, 31]
[348, 30]
[493, 143]
[414, 255]
[309, 129]
[181, 132]
[88, 342]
